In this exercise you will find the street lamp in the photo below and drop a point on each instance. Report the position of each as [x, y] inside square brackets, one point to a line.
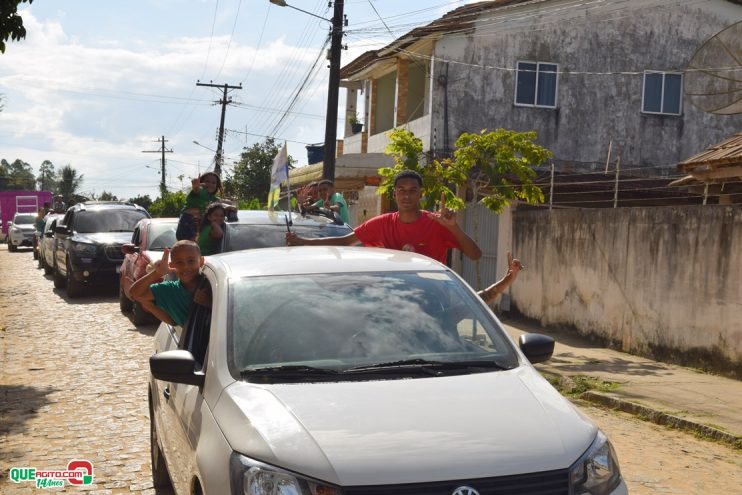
[201, 145]
[331, 120]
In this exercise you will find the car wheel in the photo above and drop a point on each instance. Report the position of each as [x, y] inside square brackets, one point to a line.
[11, 247]
[59, 281]
[74, 288]
[39, 260]
[140, 316]
[160, 476]
[124, 302]
[47, 269]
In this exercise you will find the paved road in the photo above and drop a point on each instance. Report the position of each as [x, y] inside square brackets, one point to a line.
[73, 386]
[73, 382]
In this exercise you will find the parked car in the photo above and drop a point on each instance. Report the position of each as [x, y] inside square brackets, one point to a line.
[21, 231]
[89, 240]
[346, 370]
[151, 236]
[47, 243]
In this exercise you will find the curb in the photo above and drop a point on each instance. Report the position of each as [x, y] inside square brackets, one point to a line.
[660, 418]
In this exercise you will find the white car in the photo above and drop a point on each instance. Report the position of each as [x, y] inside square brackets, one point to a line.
[326, 370]
[21, 231]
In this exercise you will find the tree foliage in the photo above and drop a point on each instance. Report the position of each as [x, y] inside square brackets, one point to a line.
[16, 176]
[438, 177]
[251, 175]
[45, 179]
[497, 165]
[107, 196]
[500, 166]
[68, 182]
[11, 24]
[168, 205]
[143, 201]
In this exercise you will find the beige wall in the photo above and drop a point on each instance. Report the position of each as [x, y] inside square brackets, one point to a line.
[663, 281]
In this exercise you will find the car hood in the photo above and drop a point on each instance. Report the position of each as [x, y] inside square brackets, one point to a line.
[103, 238]
[407, 431]
[26, 227]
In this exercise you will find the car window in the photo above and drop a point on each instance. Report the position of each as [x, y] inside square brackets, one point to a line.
[346, 320]
[161, 236]
[251, 236]
[24, 219]
[113, 220]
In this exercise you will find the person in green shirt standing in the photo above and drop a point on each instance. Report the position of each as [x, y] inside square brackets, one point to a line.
[332, 200]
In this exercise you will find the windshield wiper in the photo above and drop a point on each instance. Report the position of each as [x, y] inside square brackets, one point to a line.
[483, 364]
[287, 370]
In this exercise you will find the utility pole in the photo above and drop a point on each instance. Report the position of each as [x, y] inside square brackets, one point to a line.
[331, 124]
[162, 141]
[219, 158]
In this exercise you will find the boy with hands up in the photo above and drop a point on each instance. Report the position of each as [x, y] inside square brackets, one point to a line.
[170, 300]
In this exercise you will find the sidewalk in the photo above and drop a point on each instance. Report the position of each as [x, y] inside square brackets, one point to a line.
[664, 393]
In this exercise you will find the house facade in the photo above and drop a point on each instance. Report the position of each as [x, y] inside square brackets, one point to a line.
[588, 77]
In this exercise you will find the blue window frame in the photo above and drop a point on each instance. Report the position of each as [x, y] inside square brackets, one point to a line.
[536, 84]
[663, 93]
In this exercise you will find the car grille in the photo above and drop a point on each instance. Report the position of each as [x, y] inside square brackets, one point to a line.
[544, 483]
[114, 253]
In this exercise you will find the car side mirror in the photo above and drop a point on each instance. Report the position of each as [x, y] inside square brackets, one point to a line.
[61, 229]
[129, 248]
[176, 366]
[537, 347]
[49, 233]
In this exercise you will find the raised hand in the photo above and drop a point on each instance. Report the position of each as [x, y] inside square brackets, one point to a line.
[444, 216]
[162, 266]
[514, 265]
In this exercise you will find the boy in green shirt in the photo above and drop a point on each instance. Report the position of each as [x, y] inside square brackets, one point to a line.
[170, 300]
[332, 200]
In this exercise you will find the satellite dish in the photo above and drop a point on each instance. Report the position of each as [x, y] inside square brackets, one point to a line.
[713, 81]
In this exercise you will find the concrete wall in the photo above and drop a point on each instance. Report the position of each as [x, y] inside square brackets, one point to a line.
[664, 282]
[602, 49]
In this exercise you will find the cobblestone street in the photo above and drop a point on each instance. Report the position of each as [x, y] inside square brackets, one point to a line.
[73, 382]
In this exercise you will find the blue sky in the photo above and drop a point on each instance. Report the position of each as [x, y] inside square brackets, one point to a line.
[96, 83]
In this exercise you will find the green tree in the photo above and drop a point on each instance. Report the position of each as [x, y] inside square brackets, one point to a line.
[68, 182]
[45, 179]
[500, 165]
[11, 24]
[143, 201]
[168, 205]
[16, 176]
[497, 165]
[251, 175]
[107, 196]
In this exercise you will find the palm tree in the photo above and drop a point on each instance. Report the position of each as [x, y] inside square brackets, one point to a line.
[68, 183]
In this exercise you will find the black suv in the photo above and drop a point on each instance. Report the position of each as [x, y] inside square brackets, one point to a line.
[89, 240]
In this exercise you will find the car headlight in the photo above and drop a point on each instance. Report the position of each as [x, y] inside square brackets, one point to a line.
[249, 477]
[597, 471]
[85, 249]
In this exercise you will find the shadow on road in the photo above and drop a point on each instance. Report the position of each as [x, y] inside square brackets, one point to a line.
[19, 404]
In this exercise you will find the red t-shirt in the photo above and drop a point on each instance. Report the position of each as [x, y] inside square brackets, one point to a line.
[425, 235]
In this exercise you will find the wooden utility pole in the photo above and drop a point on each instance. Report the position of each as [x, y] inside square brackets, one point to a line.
[162, 141]
[219, 158]
[331, 123]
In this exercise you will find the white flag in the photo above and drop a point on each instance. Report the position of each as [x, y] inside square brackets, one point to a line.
[280, 170]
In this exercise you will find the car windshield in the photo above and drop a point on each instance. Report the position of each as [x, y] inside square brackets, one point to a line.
[349, 322]
[251, 236]
[24, 219]
[112, 220]
[161, 236]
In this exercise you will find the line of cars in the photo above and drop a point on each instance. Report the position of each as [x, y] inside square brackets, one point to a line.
[340, 371]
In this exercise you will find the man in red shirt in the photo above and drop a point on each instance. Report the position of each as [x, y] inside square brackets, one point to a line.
[408, 229]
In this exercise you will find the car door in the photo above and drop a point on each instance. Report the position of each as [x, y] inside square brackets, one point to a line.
[181, 412]
[62, 234]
